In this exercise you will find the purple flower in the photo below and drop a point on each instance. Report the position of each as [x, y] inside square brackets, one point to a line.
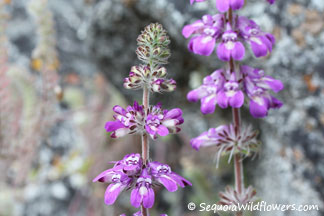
[162, 122]
[257, 87]
[231, 94]
[131, 164]
[126, 121]
[207, 92]
[119, 181]
[230, 47]
[225, 5]
[143, 192]
[210, 137]
[218, 88]
[130, 173]
[223, 88]
[206, 31]
[260, 42]
[271, 1]
[133, 120]
[163, 174]
[120, 176]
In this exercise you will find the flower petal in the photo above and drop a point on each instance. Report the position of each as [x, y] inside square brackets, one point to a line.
[120, 110]
[204, 45]
[275, 85]
[238, 52]
[162, 130]
[148, 199]
[237, 100]
[174, 113]
[168, 183]
[188, 30]
[135, 198]
[260, 109]
[208, 104]
[275, 103]
[197, 94]
[222, 100]
[120, 132]
[259, 49]
[223, 53]
[113, 125]
[237, 4]
[105, 176]
[150, 130]
[222, 5]
[112, 192]
[180, 180]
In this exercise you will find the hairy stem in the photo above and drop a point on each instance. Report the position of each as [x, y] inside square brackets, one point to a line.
[238, 164]
[145, 140]
[144, 211]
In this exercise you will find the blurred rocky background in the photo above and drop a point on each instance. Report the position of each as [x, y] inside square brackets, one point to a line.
[62, 68]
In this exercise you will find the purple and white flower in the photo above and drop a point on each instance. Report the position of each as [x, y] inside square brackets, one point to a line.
[206, 31]
[134, 119]
[230, 47]
[143, 192]
[219, 88]
[207, 92]
[261, 43]
[257, 87]
[118, 182]
[170, 180]
[120, 176]
[129, 173]
[162, 122]
[129, 121]
[225, 89]
[131, 164]
[231, 94]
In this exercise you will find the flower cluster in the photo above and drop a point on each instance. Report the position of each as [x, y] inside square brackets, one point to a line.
[211, 29]
[129, 173]
[153, 45]
[228, 34]
[257, 86]
[153, 51]
[155, 81]
[135, 172]
[227, 89]
[225, 5]
[136, 120]
[225, 139]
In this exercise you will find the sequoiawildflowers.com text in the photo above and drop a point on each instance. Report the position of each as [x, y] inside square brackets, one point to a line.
[251, 206]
